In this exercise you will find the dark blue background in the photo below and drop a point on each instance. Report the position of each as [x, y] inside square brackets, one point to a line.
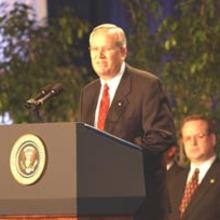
[101, 11]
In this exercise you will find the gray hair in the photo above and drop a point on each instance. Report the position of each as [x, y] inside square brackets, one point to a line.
[122, 41]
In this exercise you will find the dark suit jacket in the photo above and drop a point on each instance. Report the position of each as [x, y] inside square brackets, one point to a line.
[173, 171]
[205, 203]
[139, 113]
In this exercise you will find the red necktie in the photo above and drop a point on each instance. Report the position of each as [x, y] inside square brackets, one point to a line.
[104, 106]
[190, 188]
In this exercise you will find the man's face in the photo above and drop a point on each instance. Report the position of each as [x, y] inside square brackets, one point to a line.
[106, 56]
[199, 145]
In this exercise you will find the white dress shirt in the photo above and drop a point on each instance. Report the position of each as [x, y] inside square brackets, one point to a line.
[113, 85]
[203, 168]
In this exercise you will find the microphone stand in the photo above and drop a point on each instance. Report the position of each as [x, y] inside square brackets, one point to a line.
[34, 110]
[34, 104]
[37, 116]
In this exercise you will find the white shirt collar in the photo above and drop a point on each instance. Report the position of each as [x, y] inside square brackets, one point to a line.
[113, 85]
[114, 82]
[116, 77]
[170, 164]
[203, 168]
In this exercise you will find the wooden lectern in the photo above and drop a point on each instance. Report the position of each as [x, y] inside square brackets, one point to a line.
[88, 175]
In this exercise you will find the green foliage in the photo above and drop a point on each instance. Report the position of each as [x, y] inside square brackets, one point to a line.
[184, 51]
[35, 56]
[143, 51]
[192, 41]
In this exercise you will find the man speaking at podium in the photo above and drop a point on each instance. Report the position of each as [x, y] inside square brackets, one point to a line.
[130, 104]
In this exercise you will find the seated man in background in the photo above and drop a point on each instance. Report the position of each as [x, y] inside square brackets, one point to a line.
[195, 191]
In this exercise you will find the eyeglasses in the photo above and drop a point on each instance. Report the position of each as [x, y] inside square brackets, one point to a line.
[103, 49]
[197, 137]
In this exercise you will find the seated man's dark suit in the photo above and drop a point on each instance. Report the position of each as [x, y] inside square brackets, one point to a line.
[139, 113]
[205, 202]
[173, 171]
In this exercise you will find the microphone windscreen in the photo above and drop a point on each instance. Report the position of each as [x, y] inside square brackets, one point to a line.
[44, 91]
[57, 88]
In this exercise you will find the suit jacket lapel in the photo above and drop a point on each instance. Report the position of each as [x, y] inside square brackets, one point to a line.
[93, 103]
[204, 187]
[179, 188]
[182, 184]
[120, 100]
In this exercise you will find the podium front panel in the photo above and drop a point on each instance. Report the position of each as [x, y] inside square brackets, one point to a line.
[55, 192]
[87, 173]
[110, 174]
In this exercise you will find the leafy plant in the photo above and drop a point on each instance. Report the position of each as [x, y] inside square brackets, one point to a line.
[34, 56]
[192, 43]
[183, 49]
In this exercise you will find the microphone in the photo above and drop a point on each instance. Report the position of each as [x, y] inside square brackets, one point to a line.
[43, 92]
[46, 93]
[55, 90]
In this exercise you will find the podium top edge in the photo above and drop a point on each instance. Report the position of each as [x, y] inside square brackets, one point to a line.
[104, 133]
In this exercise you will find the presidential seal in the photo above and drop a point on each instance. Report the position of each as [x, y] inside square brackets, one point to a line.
[28, 159]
